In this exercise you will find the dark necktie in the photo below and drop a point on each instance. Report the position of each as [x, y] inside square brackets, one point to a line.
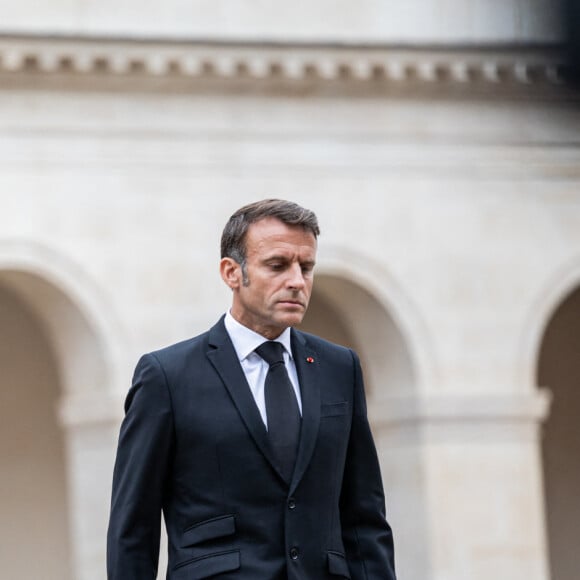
[282, 409]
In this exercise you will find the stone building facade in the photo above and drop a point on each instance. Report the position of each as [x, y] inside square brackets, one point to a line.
[439, 147]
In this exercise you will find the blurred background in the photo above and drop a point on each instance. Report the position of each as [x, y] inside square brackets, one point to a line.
[439, 143]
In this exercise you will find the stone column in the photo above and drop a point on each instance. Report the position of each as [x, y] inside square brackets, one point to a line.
[91, 425]
[463, 476]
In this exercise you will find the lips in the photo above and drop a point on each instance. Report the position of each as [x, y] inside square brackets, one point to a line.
[291, 303]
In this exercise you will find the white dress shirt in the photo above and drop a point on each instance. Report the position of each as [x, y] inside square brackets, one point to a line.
[254, 366]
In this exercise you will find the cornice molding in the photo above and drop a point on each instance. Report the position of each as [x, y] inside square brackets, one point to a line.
[295, 63]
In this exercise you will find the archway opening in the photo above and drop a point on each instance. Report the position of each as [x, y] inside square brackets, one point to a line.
[52, 325]
[346, 313]
[34, 532]
[559, 370]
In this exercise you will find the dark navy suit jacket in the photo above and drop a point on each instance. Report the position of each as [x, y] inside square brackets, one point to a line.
[193, 444]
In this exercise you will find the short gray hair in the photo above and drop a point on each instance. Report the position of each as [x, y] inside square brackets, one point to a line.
[233, 242]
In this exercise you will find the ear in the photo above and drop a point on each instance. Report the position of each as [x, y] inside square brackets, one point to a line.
[231, 272]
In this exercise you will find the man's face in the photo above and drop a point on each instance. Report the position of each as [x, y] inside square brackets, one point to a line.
[279, 265]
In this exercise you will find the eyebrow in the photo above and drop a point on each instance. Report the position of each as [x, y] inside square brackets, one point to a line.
[282, 258]
[277, 258]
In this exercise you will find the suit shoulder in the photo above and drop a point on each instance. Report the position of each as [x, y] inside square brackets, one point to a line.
[181, 350]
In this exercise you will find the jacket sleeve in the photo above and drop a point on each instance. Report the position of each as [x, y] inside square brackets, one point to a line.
[143, 457]
[367, 536]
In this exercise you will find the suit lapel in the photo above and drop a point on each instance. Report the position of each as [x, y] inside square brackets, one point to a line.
[307, 367]
[222, 356]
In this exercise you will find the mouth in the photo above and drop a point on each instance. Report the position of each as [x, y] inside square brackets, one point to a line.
[291, 303]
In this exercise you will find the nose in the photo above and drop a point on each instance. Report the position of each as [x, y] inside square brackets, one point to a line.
[295, 277]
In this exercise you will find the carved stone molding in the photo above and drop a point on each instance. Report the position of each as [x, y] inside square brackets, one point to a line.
[462, 417]
[271, 62]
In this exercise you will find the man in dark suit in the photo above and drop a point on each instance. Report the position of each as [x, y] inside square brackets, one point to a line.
[252, 438]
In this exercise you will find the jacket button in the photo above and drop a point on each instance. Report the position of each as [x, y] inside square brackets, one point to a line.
[294, 553]
[291, 503]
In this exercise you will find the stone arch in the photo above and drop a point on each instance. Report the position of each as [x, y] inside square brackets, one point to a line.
[349, 314]
[77, 318]
[364, 306]
[87, 345]
[559, 285]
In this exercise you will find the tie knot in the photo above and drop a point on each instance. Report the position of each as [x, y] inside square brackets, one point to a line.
[272, 352]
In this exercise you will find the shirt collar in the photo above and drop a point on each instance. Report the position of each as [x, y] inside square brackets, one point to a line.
[245, 340]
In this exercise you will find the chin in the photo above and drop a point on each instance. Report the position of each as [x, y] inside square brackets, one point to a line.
[292, 320]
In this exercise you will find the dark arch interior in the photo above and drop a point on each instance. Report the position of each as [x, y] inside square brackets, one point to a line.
[559, 370]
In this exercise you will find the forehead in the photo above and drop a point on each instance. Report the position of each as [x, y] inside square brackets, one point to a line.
[271, 233]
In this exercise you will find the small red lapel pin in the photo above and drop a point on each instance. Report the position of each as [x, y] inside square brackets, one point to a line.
[309, 359]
